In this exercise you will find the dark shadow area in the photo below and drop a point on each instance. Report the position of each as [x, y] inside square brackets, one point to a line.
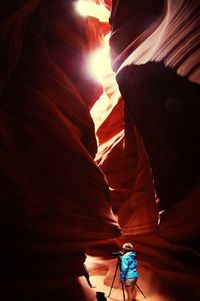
[166, 113]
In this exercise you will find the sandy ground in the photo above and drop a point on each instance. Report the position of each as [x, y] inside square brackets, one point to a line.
[97, 270]
[115, 295]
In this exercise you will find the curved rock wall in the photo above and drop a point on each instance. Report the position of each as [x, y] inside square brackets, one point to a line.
[64, 192]
[54, 198]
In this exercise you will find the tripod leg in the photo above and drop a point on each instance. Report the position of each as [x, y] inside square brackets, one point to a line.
[113, 278]
[140, 291]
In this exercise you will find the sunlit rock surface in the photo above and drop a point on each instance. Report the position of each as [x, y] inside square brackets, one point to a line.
[65, 191]
[163, 104]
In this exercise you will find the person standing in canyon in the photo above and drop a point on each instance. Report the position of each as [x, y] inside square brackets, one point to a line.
[128, 270]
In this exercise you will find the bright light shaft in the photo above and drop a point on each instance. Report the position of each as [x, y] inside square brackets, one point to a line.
[89, 8]
[99, 63]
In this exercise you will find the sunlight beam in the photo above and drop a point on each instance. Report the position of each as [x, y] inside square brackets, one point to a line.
[89, 8]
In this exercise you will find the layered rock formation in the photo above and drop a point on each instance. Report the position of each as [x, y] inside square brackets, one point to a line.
[62, 193]
[161, 101]
[54, 198]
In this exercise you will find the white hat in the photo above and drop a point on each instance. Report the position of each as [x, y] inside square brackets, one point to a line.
[127, 246]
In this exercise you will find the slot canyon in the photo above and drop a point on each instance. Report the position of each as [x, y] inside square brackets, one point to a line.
[100, 145]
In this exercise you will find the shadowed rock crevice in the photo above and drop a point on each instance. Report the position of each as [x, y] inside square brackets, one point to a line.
[165, 108]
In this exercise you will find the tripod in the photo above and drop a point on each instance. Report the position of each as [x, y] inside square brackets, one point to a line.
[118, 262]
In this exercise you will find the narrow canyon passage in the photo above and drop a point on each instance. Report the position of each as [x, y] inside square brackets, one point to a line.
[100, 144]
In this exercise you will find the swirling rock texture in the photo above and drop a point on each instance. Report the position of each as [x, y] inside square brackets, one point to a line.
[61, 193]
[155, 51]
[54, 198]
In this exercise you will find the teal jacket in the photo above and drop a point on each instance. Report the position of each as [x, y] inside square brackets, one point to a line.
[128, 266]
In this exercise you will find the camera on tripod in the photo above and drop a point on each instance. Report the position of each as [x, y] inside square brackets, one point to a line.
[117, 254]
